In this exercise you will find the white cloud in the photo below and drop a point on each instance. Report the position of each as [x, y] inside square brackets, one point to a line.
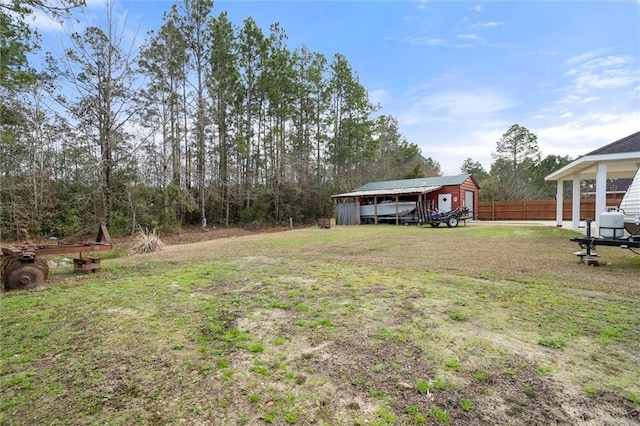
[596, 79]
[590, 99]
[611, 72]
[477, 8]
[459, 105]
[583, 57]
[586, 133]
[43, 23]
[572, 99]
[454, 147]
[611, 79]
[574, 138]
[379, 96]
[450, 126]
[483, 25]
[433, 42]
[469, 36]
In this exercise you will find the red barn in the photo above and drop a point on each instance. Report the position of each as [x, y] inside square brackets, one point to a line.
[444, 193]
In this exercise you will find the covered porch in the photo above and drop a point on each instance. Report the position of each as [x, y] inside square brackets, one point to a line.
[618, 160]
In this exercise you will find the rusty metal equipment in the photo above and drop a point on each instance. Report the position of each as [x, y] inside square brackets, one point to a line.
[20, 268]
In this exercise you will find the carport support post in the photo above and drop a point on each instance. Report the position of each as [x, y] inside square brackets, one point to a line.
[397, 218]
[559, 203]
[375, 209]
[601, 193]
[575, 199]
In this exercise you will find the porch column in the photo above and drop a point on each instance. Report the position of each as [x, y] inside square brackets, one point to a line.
[575, 199]
[559, 202]
[601, 193]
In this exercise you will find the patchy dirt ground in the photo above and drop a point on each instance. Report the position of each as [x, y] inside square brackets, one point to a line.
[195, 234]
[363, 325]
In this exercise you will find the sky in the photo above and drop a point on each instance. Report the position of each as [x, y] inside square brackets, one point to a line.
[458, 74]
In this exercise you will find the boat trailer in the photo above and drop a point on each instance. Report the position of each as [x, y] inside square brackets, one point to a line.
[21, 269]
[588, 243]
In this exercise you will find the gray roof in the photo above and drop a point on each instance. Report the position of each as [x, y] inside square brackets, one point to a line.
[397, 191]
[414, 183]
[630, 143]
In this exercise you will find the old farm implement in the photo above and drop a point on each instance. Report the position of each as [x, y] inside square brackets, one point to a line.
[21, 269]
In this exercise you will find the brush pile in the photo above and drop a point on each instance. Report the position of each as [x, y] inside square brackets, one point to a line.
[146, 241]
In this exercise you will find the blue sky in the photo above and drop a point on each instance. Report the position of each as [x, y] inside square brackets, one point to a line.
[458, 74]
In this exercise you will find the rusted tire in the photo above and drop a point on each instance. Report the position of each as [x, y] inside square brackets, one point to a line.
[18, 275]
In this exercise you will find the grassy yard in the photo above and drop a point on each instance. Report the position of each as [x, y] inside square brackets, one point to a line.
[377, 325]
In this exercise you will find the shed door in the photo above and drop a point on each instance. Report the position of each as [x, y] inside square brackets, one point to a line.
[444, 202]
[469, 199]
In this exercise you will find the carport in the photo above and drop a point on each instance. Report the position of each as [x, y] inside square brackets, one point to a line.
[349, 212]
[444, 193]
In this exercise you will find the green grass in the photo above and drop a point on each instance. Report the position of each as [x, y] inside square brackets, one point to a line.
[347, 326]
[440, 414]
[466, 405]
[423, 386]
[458, 316]
[554, 342]
[635, 398]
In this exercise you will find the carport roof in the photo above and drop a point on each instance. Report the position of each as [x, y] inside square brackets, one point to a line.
[406, 186]
[415, 183]
[396, 191]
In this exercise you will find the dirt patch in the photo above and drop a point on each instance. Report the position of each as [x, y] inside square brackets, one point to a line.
[195, 234]
[360, 325]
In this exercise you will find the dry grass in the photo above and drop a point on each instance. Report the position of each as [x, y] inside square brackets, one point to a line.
[372, 325]
[146, 241]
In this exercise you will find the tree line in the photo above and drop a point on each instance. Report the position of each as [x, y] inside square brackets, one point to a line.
[205, 123]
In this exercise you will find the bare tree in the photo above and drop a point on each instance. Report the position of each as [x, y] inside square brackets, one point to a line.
[101, 96]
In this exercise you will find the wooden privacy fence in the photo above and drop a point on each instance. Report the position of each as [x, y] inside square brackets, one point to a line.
[538, 209]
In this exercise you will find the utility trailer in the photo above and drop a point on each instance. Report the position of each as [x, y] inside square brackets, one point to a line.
[613, 224]
[21, 269]
[434, 217]
[588, 243]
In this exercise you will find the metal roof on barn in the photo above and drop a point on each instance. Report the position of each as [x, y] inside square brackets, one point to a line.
[395, 191]
[405, 186]
[412, 183]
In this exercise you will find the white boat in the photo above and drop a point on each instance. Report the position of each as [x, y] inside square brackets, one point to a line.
[630, 206]
[387, 208]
